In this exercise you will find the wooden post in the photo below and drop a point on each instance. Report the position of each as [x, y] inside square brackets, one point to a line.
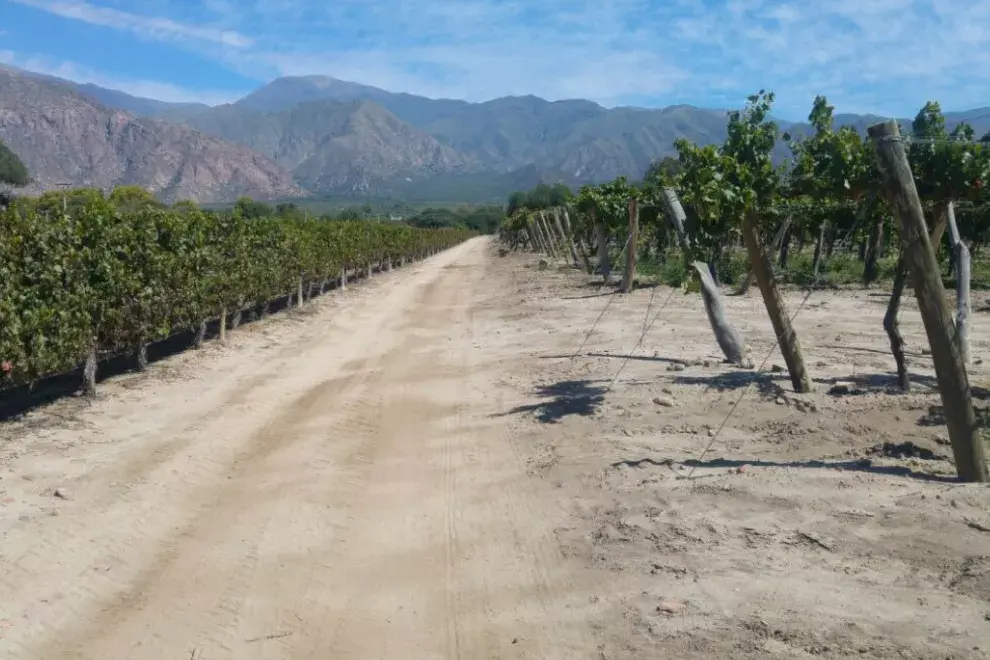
[534, 232]
[953, 383]
[141, 354]
[628, 279]
[343, 279]
[582, 251]
[567, 238]
[820, 248]
[675, 211]
[541, 220]
[89, 371]
[892, 328]
[778, 240]
[223, 325]
[299, 292]
[200, 336]
[961, 257]
[790, 348]
[601, 237]
[728, 339]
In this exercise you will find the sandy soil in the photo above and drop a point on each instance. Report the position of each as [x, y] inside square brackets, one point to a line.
[419, 468]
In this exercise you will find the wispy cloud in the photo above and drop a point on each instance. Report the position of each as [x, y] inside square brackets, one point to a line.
[142, 88]
[149, 26]
[884, 56]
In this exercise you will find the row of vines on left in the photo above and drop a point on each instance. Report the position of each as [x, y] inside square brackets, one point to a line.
[101, 281]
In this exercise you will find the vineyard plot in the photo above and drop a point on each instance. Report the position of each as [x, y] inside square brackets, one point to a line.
[418, 469]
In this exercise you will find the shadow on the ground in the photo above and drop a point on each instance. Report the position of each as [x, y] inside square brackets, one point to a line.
[564, 399]
[766, 382]
[880, 382]
[861, 465]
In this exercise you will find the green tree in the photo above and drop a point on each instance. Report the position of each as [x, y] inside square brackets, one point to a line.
[247, 208]
[133, 198]
[12, 170]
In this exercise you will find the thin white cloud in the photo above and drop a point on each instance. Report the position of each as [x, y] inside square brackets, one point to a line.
[149, 26]
[141, 88]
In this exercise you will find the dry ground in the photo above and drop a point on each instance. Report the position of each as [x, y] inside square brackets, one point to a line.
[417, 468]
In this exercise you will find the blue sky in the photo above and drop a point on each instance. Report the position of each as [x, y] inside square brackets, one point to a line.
[881, 56]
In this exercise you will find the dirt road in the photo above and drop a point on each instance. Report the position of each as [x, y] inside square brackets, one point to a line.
[417, 468]
[334, 485]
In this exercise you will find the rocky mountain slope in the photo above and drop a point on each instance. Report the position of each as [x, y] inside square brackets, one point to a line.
[339, 137]
[65, 136]
[348, 146]
[571, 141]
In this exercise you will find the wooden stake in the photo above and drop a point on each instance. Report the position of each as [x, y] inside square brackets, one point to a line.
[628, 279]
[960, 254]
[953, 383]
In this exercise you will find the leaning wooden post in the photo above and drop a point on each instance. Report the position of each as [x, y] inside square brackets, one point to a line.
[953, 383]
[961, 255]
[678, 218]
[630, 274]
[299, 291]
[728, 339]
[790, 347]
[582, 251]
[547, 234]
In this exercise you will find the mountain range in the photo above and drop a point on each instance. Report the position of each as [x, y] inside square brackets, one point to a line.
[316, 135]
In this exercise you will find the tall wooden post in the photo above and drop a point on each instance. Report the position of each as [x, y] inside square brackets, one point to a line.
[630, 274]
[953, 383]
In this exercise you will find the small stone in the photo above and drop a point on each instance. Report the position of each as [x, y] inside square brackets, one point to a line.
[977, 360]
[708, 363]
[667, 390]
[676, 367]
[711, 433]
[926, 351]
[842, 387]
[670, 607]
[61, 494]
[663, 401]
[780, 401]
[777, 369]
[742, 469]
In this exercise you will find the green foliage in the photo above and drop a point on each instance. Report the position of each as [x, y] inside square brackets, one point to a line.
[539, 198]
[12, 170]
[484, 220]
[101, 274]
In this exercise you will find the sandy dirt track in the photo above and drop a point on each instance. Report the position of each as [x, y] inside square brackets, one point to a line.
[415, 468]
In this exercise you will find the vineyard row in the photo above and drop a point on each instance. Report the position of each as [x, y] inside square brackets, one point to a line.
[102, 281]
